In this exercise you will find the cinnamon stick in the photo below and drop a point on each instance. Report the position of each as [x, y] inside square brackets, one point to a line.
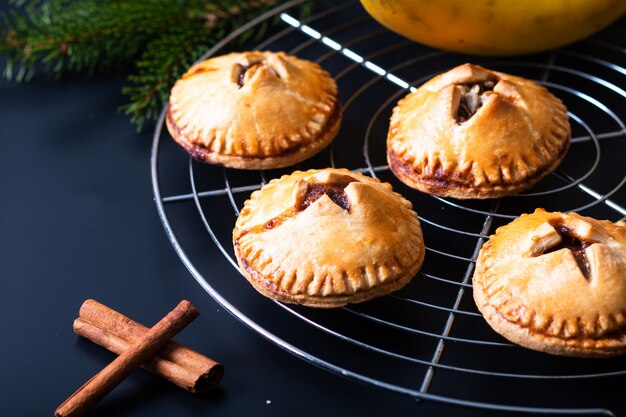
[104, 381]
[174, 362]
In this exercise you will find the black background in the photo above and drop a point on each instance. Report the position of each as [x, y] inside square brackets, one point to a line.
[78, 221]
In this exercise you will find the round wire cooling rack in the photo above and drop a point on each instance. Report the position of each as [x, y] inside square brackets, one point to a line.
[428, 340]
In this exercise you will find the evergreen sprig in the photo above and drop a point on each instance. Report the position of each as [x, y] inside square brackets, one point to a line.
[158, 39]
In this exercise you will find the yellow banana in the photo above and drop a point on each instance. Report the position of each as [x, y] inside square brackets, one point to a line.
[495, 27]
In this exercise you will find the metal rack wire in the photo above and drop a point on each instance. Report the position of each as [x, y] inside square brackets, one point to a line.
[428, 336]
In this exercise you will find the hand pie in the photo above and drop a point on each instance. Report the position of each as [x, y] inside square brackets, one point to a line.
[556, 283]
[476, 133]
[254, 110]
[326, 238]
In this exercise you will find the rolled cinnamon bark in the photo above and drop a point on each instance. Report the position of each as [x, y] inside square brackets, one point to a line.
[174, 362]
[104, 381]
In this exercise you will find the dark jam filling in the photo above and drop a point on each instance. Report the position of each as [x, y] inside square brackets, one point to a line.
[335, 191]
[242, 73]
[472, 99]
[575, 245]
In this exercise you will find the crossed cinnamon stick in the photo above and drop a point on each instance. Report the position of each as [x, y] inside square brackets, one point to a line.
[137, 346]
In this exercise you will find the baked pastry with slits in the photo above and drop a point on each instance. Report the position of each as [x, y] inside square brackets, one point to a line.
[556, 283]
[476, 133]
[326, 238]
[254, 110]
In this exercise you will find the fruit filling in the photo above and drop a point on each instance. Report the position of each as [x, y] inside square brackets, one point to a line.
[335, 191]
[575, 245]
[242, 69]
[473, 97]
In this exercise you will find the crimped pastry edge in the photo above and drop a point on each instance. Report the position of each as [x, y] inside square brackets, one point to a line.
[291, 157]
[465, 191]
[523, 336]
[270, 290]
[267, 288]
[459, 184]
[578, 346]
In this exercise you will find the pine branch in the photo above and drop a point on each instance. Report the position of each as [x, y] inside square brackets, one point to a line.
[62, 35]
[164, 36]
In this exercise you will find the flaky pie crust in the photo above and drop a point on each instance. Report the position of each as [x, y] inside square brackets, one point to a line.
[324, 254]
[518, 135]
[536, 294]
[254, 110]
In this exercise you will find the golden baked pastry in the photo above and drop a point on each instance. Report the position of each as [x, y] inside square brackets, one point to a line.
[476, 133]
[254, 110]
[556, 283]
[325, 238]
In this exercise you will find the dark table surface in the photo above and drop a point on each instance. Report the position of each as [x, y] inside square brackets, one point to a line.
[78, 221]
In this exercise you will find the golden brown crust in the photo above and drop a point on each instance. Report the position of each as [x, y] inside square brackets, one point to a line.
[254, 110]
[539, 292]
[355, 241]
[518, 134]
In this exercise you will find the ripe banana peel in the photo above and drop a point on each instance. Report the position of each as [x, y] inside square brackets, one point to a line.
[495, 27]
